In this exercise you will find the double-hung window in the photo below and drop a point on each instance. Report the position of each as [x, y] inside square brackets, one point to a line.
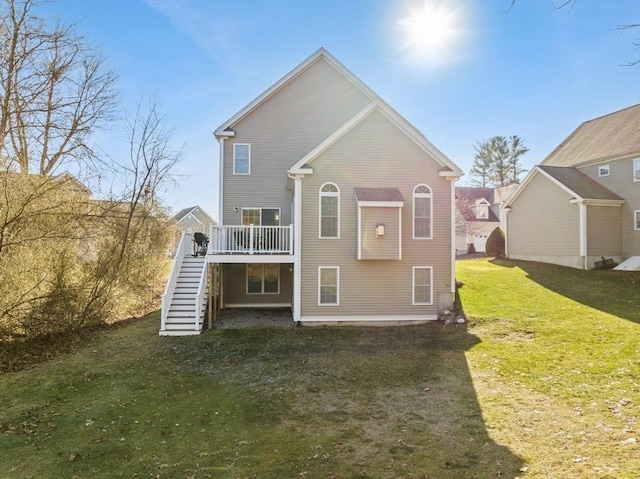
[636, 169]
[328, 286]
[263, 278]
[422, 212]
[241, 159]
[422, 285]
[636, 220]
[329, 211]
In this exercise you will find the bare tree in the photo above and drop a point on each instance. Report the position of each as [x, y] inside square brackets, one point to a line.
[55, 91]
[571, 3]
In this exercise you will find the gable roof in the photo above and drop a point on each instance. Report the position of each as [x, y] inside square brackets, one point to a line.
[473, 193]
[193, 210]
[583, 186]
[303, 166]
[573, 181]
[225, 129]
[611, 136]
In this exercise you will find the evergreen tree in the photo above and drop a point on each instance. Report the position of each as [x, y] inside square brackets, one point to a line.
[497, 161]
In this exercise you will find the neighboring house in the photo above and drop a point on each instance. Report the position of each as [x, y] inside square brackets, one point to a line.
[583, 202]
[194, 219]
[478, 213]
[475, 218]
[332, 204]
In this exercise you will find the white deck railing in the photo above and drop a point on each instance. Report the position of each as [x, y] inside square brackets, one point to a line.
[201, 298]
[184, 248]
[251, 239]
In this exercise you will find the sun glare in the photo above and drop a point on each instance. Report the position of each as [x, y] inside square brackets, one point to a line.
[432, 31]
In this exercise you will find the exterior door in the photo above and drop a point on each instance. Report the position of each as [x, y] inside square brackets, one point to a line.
[270, 217]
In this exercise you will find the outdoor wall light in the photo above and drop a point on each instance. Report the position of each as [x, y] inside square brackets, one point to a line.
[379, 230]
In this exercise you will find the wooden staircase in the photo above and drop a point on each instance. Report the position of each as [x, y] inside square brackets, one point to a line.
[179, 319]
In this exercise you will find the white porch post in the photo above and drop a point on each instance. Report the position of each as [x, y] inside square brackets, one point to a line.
[297, 250]
[583, 233]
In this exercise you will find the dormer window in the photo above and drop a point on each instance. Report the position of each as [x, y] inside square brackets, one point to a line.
[603, 170]
[482, 209]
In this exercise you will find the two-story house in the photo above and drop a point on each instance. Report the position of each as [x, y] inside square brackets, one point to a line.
[582, 202]
[332, 204]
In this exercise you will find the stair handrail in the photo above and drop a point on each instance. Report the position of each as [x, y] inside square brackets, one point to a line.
[201, 296]
[181, 252]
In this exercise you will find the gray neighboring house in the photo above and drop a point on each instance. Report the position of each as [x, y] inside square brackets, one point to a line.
[194, 219]
[582, 202]
[331, 204]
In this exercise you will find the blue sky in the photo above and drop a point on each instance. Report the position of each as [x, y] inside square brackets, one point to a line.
[532, 70]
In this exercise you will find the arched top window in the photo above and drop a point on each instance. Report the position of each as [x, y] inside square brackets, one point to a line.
[329, 188]
[422, 212]
[329, 217]
[422, 190]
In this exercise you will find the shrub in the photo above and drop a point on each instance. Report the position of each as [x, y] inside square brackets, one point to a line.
[495, 244]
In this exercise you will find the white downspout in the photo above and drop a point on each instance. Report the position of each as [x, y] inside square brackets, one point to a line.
[453, 237]
[221, 214]
[505, 217]
[220, 181]
[297, 241]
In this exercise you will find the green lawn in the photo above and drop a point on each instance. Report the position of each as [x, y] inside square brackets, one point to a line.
[557, 368]
[542, 384]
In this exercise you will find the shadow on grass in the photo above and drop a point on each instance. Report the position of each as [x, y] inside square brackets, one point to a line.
[613, 292]
[355, 402]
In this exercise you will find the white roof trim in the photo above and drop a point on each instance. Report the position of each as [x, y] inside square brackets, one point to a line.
[320, 53]
[577, 198]
[390, 114]
[534, 171]
[190, 214]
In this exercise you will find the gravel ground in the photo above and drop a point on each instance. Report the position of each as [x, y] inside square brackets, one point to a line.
[237, 318]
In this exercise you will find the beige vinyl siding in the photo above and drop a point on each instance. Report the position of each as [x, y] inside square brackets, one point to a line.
[620, 181]
[282, 130]
[235, 287]
[374, 154]
[380, 248]
[604, 235]
[543, 225]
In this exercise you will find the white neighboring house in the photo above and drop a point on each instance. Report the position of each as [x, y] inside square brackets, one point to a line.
[194, 219]
[477, 215]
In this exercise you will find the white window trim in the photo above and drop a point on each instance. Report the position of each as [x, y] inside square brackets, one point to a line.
[413, 286]
[337, 303]
[321, 194]
[603, 170]
[413, 217]
[234, 159]
[636, 169]
[636, 220]
[262, 293]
